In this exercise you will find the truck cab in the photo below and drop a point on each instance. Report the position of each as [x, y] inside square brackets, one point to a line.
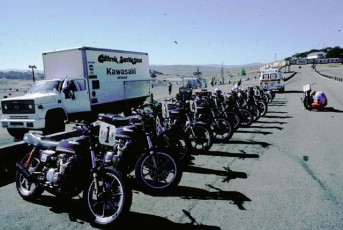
[44, 107]
[272, 79]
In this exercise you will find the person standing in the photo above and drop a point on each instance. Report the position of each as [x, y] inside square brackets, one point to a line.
[170, 86]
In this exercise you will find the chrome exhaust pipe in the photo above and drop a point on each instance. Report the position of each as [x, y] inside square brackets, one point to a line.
[20, 167]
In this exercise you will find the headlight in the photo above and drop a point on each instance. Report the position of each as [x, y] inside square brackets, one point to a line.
[30, 106]
[5, 107]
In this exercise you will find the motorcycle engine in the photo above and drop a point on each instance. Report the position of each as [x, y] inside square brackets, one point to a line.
[58, 166]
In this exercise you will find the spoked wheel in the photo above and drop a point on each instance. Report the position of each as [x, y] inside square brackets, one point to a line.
[262, 105]
[246, 117]
[221, 129]
[110, 199]
[255, 112]
[27, 189]
[234, 119]
[200, 138]
[158, 172]
[175, 143]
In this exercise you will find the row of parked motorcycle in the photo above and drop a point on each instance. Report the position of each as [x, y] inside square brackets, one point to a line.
[152, 146]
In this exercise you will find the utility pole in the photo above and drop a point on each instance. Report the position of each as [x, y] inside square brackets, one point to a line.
[222, 73]
[33, 72]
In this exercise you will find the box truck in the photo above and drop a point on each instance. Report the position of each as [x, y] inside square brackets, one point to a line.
[78, 84]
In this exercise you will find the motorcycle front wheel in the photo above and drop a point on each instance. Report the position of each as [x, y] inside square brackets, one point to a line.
[246, 117]
[110, 199]
[200, 138]
[234, 119]
[255, 112]
[176, 143]
[158, 172]
[263, 106]
[221, 129]
[307, 103]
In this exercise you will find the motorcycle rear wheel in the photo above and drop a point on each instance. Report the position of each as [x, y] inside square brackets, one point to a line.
[112, 200]
[26, 189]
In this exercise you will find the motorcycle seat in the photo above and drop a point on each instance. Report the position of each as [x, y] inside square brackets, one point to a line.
[114, 119]
[39, 140]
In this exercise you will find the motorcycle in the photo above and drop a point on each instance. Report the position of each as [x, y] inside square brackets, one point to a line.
[73, 166]
[181, 116]
[131, 144]
[207, 111]
[308, 98]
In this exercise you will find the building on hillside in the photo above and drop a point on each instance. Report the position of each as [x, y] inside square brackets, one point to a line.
[316, 55]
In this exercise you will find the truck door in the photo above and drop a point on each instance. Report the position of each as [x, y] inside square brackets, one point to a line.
[75, 96]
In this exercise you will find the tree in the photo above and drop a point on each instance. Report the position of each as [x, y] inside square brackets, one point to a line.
[336, 52]
[243, 73]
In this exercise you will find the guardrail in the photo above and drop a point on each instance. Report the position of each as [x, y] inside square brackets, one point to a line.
[330, 77]
[290, 76]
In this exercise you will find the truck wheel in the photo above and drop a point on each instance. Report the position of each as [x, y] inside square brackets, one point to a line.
[54, 123]
[17, 133]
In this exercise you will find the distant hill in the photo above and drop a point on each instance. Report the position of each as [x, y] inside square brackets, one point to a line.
[206, 70]
[20, 74]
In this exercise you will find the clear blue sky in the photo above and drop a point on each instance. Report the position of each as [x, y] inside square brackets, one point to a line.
[189, 32]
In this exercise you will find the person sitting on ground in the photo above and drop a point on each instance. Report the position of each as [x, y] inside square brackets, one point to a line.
[319, 100]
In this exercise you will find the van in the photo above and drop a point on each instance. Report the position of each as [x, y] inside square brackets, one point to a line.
[272, 79]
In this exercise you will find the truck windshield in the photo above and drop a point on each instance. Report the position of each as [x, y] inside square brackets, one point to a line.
[44, 87]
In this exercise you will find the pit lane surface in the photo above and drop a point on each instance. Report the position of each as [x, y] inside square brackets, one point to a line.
[283, 172]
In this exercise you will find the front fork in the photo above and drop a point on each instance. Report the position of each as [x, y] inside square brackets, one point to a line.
[94, 172]
[151, 150]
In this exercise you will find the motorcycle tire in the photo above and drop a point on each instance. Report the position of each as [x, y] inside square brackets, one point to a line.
[246, 117]
[255, 111]
[175, 143]
[158, 172]
[234, 119]
[221, 129]
[111, 199]
[307, 104]
[200, 138]
[26, 189]
[263, 106]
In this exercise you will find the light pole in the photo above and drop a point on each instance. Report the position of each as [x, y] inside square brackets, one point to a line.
[33, 72]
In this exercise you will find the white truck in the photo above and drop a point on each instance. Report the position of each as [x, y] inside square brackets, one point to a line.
[78, 84]
[192, 82]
